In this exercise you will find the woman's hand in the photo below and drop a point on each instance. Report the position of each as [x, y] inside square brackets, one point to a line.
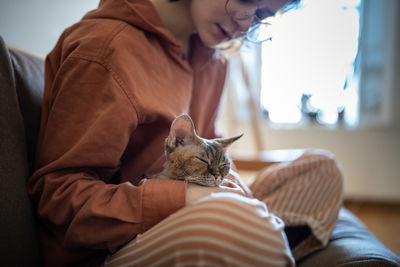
[235, 177]
[194, 191]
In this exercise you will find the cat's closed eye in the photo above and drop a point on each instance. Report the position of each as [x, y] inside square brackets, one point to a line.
[224, 168]
[203, 160]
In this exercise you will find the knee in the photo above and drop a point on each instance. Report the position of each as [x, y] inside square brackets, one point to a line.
[326, 162]
[326, 169]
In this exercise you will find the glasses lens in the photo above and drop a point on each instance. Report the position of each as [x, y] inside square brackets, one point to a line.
[259, 33]
[241, 9]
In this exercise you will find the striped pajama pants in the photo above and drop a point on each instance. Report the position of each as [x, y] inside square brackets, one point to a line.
[226, 229]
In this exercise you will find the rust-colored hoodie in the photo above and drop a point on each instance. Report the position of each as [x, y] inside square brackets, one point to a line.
[113, 84]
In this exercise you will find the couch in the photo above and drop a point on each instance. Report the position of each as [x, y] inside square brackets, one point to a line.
[21, 90]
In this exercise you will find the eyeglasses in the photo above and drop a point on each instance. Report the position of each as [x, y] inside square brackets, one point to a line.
[258, 31]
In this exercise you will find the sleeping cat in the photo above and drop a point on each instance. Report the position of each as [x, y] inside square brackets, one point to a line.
[192, 158]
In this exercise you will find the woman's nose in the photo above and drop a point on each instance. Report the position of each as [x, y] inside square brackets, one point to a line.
[243, 25]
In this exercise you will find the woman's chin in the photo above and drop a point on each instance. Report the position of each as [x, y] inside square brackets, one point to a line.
[212, 41]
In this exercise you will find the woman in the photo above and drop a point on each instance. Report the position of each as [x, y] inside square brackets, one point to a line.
[113, 84]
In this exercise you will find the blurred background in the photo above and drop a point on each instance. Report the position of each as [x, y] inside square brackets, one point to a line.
[329, 79]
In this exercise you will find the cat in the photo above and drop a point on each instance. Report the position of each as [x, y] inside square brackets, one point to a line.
[192, 158]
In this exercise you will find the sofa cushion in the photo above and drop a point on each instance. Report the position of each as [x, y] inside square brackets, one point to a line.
[18, 234]
[29, 79]
[351, 244]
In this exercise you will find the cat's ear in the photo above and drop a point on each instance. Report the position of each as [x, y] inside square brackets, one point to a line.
[226, 142]
[182, 131]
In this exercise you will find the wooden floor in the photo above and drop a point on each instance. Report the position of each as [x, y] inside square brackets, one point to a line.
[383, 219]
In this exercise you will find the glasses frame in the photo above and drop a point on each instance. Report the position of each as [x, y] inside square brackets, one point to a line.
[246, 17]
[254, 26]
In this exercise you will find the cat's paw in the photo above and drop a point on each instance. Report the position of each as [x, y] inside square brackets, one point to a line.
[202, 181]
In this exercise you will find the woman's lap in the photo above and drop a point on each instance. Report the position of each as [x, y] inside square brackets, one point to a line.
[227, 229]
[224, 229]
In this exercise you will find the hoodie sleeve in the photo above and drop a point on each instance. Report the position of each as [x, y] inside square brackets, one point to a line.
[87, 122]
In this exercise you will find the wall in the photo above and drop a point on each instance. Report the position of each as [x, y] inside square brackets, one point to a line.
[36, 24]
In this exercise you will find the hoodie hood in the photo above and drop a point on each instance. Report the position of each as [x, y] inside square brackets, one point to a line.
[138, 13]
[143, 15]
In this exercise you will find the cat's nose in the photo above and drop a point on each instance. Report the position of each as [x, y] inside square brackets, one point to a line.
[215, 173]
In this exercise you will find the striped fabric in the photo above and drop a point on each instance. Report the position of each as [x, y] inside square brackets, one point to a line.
[230, 230]
[307, 191]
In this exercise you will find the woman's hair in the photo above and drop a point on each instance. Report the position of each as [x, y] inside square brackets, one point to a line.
[230, 47]
[292, 4]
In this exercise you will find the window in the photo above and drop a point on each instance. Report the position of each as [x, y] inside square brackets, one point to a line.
[330, 64]
[308, 70]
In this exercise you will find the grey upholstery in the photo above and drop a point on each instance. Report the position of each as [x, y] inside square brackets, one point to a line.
[351, 244]
[21, 89]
